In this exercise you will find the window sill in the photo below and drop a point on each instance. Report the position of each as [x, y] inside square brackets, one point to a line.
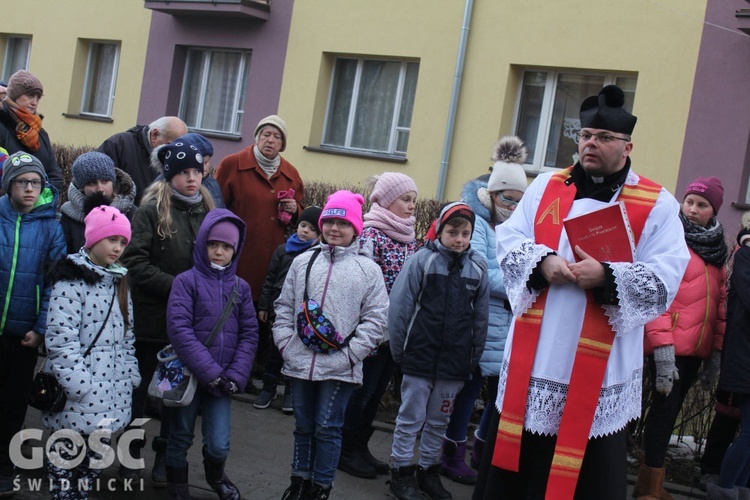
[216, 135]
[104, 119]
[356, 154]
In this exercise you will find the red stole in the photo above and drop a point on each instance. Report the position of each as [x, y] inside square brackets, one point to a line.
[592, 353]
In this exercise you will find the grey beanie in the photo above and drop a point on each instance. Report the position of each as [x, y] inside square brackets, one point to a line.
[20, 163]
[91, 167]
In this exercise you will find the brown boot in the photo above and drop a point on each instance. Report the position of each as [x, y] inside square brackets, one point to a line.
[649, 485]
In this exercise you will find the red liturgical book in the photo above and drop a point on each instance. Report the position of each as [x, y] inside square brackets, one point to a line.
[605, 234]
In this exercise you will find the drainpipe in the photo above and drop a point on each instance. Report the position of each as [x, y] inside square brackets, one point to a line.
[449, 129]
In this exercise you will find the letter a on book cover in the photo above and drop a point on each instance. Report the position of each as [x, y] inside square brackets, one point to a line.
[604, 233]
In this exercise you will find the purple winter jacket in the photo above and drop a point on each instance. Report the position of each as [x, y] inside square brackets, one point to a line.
[195, 303]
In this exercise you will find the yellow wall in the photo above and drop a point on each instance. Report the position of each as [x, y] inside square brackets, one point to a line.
[56, 27]
[657, 40]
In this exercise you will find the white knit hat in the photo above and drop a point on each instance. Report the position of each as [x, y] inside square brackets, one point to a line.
[509, 154]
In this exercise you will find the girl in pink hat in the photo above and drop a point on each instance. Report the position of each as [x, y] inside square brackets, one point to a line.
[330, 316]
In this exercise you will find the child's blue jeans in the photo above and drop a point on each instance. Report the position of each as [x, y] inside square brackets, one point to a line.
[319, 417]
[216, 416]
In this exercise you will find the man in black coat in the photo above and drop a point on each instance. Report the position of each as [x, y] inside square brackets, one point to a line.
[131, 150]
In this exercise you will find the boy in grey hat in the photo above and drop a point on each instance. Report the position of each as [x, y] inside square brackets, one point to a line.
[30, 238]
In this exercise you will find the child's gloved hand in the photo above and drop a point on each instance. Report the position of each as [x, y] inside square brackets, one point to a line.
[228, 386]
[214, 387]
[666, 372]
[709, 375]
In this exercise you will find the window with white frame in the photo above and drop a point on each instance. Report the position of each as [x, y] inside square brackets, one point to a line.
[547, 112]
[101, 76]
[17, 51]
[213, 90]
[370, 105]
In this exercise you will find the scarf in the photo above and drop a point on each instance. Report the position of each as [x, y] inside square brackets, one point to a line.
[296, 245]
[27, 125]
[708, 242]
[190, 200]
[395, 227]
[268, 166]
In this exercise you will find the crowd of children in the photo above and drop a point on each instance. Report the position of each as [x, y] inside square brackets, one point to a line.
[348, 297]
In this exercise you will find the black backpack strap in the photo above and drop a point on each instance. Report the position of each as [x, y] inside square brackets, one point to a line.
[315, 254]
[228, 308]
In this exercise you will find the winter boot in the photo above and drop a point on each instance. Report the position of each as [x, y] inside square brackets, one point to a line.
[351, 460]
[268, 393]
[716, 492]
[476, 453]
[159, 472]
[298, 490]
[318, 492]
[649, 484]
[364, 450]
[177, 483]
[453, 464]
[218, 480]
[403, 484]
[429, 483]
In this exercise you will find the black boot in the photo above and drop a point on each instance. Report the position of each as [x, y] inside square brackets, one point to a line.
[379, 466]
[218, 480]
[177, 483]
[429, 483]
[125, 473]
[159, 472]
[403, 484]
[319, 493]
[298, 490]
[351, 460]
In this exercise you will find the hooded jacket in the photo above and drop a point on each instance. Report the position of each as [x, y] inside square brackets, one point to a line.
[438, 315]
[735, 370]
[350, 287]
[483, 242]
[28, 242]
[99, 386]
[45, 153]
[131, 151]
[72, 211]
[196, 301]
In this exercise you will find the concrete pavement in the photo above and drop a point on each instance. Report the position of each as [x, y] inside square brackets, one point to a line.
[259, 463]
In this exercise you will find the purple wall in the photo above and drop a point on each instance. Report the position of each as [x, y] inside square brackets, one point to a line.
[162, 75]
[718, 128]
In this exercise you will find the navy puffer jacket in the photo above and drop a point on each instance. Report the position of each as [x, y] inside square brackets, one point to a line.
[196, 301]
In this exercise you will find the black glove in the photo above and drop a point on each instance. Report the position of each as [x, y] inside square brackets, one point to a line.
[214, 388]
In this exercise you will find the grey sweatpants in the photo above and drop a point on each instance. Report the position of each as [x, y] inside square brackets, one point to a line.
[427, 402]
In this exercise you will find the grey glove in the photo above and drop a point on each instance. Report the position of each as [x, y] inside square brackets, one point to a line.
[709, 374]
[666, 372]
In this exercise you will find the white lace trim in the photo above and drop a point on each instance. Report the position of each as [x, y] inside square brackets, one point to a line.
[642, 297]
[517, 266]
[618, 404]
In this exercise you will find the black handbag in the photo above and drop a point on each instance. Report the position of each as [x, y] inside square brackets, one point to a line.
[46, 392]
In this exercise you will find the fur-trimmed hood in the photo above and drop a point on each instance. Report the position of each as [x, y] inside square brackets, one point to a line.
[470, 195]
[124, 191]
[76, 266]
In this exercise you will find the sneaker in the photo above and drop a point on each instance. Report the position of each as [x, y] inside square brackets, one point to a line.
[287, 405]
[264, 399]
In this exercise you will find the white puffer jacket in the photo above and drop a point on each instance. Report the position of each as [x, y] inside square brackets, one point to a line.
[101, 385]
[355, 300]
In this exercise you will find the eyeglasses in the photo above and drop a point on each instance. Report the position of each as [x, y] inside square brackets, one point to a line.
[602, 138]
[505, 200]
[22, 183]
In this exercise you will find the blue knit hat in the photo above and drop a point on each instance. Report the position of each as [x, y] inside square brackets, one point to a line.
[92, 167]
[203, 144]
[181, 154]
